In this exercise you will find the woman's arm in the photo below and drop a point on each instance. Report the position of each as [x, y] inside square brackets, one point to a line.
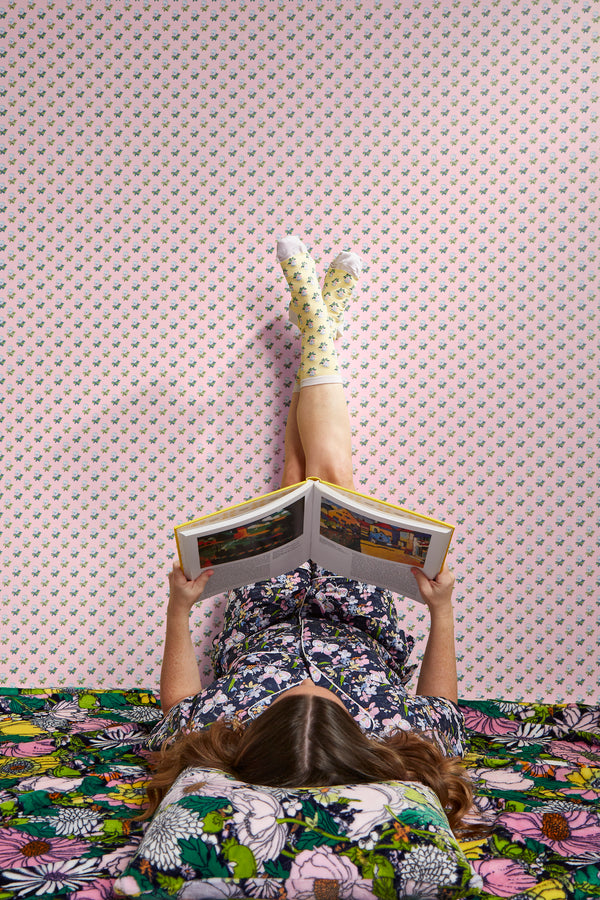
[438, 668]
[179, 675]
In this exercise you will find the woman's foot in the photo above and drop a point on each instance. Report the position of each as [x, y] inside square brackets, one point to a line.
[290, 245]
[301, 275]
[340, 280]
[307, 310]
[348, 261]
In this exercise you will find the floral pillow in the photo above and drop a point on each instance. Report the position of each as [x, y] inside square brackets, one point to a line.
[214, 837]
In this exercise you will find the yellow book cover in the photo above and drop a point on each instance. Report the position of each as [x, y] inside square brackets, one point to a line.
[342, 530]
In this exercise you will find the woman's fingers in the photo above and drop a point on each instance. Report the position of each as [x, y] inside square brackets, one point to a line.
[185, 590]
[435, 591]
[202, 580]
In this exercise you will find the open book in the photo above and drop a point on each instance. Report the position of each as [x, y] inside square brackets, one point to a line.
[343, 531]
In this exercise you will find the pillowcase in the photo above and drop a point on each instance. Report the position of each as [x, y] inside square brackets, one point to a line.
[216, 837]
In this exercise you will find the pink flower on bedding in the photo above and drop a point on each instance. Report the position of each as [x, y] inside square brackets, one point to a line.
[117, 861]
[503, 779]
[99, 890]
[478, 721]
[43, 747]
[20, 850]
[540, 768]
[577, 752]
[566, 829]
[67, 714]
[580, 720]
[88, 725]
[49, 783]
[121, 791]
[64, 710]
[126, 886]
[323, 871]
[503, 877]
[483, 811]
[562, 773]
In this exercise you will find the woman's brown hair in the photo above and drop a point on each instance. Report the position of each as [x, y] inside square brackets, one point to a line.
[308, 741]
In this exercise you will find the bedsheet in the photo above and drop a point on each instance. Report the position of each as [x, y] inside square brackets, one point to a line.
[73, 767]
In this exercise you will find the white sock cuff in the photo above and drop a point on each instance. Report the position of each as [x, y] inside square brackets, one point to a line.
[321, 379]
[289, 246]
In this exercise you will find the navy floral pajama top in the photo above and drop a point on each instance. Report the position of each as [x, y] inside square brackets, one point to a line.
[309, 623]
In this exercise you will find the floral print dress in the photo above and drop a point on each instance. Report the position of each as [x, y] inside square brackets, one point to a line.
[344, 635]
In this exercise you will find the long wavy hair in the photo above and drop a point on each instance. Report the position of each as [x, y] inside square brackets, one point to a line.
[308, 741]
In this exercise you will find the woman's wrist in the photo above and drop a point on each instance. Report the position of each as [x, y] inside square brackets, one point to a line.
[441, 612]
[176, 612]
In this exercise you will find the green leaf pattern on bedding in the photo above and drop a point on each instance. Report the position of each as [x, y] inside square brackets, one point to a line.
[73, 768]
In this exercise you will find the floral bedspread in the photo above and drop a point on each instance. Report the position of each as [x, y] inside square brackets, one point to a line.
[72, 771]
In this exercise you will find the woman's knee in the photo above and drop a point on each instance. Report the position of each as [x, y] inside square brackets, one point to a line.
[335, 471]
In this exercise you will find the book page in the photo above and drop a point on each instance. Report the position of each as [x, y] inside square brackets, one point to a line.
[371, 543]
[261, 567]
[386, 511]
[261, 541]
[369, 570]
[241, 511]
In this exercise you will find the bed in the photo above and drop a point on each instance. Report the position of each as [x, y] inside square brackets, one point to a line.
[73, 766]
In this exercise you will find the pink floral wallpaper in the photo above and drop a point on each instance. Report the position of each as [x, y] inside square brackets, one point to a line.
[151, 153]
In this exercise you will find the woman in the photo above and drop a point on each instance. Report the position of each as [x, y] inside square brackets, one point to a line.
[311, 667]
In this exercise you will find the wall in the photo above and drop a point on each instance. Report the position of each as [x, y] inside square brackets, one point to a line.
[151, 155]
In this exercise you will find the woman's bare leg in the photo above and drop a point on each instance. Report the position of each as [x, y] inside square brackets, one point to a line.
[324, 427]
[294, 463]
[317, 437]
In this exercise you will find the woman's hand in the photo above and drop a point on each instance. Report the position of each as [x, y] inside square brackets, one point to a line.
[183, 594]
[179, 675]
[438, 668]
[436, 592]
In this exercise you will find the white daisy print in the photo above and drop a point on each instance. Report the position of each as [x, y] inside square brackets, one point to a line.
[71, 821]
[161, 845]
[113, 738]
[49, 878]
[144, 713]
[425, 870]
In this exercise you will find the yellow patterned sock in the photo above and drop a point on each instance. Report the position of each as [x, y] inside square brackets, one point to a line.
[340, 280]
[318, 362]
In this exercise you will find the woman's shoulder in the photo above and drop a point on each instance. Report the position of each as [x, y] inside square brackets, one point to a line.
[242, 692]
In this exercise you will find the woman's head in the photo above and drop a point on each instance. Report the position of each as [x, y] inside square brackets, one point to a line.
[300, 741]
[309, 741]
